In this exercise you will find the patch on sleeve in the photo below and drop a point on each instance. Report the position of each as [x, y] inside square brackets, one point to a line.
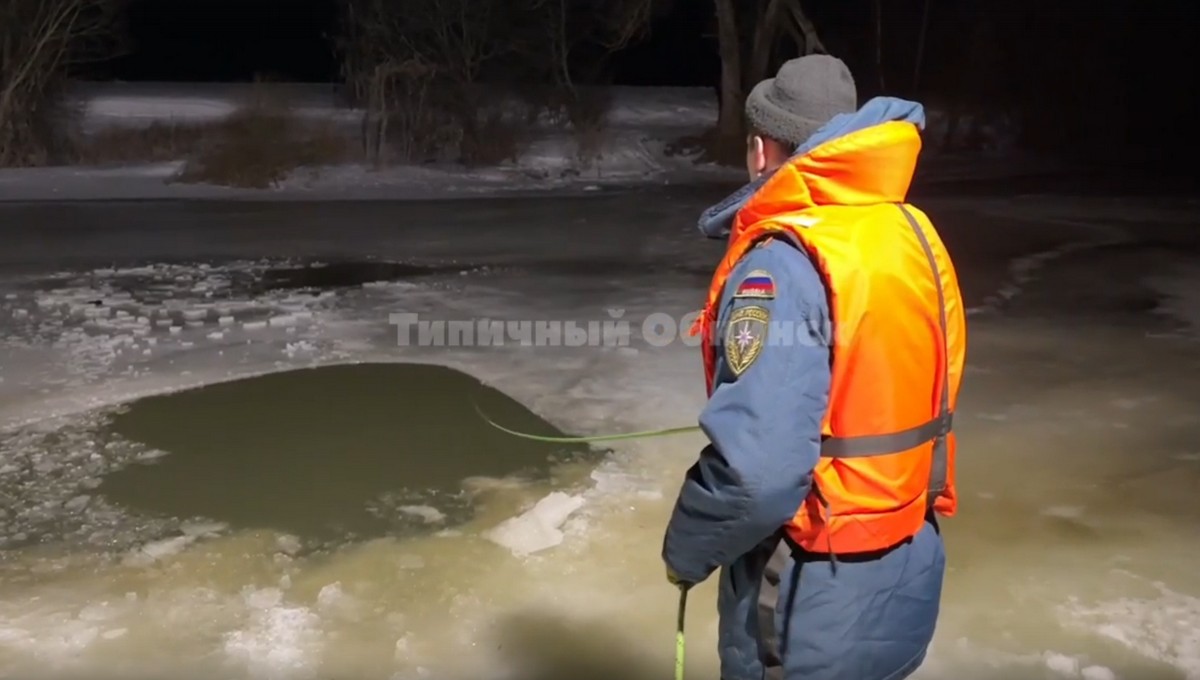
[757, 284]
[744, 337]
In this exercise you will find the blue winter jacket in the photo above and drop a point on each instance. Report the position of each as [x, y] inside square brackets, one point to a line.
[869, 619]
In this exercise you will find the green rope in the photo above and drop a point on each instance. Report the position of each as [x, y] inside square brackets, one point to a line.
[679, 649]
[597, 438]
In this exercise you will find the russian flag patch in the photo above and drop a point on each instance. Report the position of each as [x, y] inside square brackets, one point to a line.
[758, 284]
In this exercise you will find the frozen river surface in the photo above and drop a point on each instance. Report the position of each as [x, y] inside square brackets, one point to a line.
[1074, 554]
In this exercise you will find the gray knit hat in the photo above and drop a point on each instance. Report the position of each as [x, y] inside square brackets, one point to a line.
[805, 94]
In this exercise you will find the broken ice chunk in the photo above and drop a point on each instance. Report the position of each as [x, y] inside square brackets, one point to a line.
[77, 503]
[153, 552]
[428, 514]
[538, 528]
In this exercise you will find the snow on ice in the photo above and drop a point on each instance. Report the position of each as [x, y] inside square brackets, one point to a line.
[101, 320]
[279, 641]
[1165, 628]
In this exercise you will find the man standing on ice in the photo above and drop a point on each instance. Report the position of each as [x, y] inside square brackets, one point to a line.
[834, 342]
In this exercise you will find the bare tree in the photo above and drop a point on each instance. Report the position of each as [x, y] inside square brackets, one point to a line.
[803, 30]
[766, 30]
[436, 55]
[777, 16]
[606, 26]
[730, 123]
[459, 36]
[764, 44]
[919, 60]
[414, 63]
[877, 16]
[40, 42]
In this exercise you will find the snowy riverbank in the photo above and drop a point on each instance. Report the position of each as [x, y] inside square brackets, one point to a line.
[638, 146]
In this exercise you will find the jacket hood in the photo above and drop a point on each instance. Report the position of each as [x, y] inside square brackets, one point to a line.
[859, 158]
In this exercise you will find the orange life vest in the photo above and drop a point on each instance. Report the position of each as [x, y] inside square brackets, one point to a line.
[899, 336]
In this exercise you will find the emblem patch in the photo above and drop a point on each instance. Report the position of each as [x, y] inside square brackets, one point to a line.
[758, 284]
[744, 337]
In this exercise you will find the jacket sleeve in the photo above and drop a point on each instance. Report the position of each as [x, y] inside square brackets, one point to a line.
[763, 420]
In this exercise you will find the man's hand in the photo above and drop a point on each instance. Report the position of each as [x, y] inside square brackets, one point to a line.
[676, 581]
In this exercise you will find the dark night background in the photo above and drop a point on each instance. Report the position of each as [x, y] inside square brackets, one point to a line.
[1080, 73]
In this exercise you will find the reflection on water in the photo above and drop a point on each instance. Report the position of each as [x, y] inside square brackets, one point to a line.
[324, 453]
